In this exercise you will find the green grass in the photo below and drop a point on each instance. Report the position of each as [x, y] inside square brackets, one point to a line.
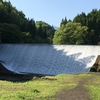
[43, 88]
[36, 89]
[93, 87]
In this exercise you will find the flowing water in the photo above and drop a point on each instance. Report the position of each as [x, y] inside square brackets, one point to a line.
[48, 59]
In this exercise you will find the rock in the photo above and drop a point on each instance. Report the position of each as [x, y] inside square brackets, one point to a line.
[96, 65]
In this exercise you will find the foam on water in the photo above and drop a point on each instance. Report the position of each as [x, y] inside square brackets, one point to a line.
[48, 59]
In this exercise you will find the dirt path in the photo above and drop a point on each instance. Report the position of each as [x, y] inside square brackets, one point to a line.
[78, 93]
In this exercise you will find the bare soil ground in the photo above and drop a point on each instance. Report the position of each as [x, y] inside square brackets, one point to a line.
[77, 93]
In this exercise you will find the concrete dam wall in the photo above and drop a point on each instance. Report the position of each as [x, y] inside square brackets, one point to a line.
[48, 59]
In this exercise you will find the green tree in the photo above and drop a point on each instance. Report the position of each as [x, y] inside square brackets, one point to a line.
[63, 22]
[71, 33]
[45, 31]
[10, 33]
[81, 18]
[93, 23]
[32, 28]
[27, 37]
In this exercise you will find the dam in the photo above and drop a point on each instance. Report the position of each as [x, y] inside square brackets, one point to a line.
[48, 59]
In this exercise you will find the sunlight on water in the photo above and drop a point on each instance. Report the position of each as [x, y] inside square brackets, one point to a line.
[48, 59]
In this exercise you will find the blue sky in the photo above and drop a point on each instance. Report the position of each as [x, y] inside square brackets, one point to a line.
[52, 11]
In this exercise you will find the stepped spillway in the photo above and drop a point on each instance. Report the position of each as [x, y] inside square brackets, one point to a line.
[48, 59]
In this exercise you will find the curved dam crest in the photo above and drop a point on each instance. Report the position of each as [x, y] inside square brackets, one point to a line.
[48, 59]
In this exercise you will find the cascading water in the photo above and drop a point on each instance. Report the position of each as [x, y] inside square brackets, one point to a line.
[48, 59]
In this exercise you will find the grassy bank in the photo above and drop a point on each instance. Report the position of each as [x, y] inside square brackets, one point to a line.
[43, 88]
[93, 87]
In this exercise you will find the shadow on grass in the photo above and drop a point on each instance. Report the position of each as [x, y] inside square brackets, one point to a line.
[19, 77]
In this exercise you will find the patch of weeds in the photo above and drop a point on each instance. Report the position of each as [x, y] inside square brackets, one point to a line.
[93, 88]
[34, 90]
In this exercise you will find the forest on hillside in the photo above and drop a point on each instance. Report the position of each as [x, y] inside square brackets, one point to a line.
[16, 28]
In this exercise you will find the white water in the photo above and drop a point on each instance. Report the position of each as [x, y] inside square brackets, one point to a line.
[48, 59]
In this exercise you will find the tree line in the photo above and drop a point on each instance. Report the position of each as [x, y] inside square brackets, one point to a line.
[83, 29]
[16, 28]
